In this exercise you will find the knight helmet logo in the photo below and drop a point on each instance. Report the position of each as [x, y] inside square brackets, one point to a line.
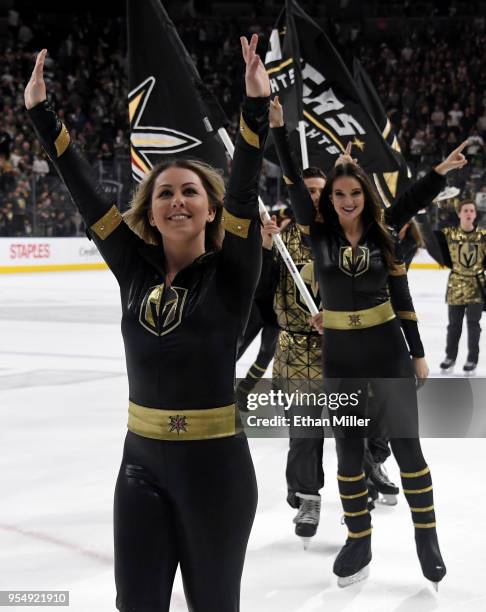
[161, 310]
[468, 254]
[148, 140]
[357, 266]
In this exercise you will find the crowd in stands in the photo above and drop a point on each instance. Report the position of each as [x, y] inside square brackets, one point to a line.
[432, 83]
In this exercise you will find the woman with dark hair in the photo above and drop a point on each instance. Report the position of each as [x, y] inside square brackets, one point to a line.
[186, 490]
[364, 291]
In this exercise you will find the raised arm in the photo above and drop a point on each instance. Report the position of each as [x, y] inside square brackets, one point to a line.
[300, 199]
[241, 252]
[422, 193]
[116, 242]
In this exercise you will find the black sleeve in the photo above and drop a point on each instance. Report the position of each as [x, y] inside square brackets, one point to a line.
[115, 241]
[435, 242]
[267, 286]
[300, 199]
[419, 194]
[403, 305]
[242, 244]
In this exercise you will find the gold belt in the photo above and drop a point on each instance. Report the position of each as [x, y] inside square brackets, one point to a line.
[181, 425]
[288, 340]
[358, 319]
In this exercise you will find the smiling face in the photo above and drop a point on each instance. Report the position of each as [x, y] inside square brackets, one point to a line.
[315, 186]
[347, 197]
[180, 206]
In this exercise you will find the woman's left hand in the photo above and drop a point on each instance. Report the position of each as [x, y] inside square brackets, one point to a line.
[345, 158]
[454, 161]
[256, 77]
[421, 369]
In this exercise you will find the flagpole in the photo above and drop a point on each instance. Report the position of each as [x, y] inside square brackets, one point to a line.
[303, 145]
[282, 249]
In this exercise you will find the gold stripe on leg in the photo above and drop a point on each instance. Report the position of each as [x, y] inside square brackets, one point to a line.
[354, 496]
[360, 534]
[416, 491]
[426, 470]
[424, 525]
[350, 478]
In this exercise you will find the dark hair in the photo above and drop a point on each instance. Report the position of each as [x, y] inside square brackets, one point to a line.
[463, 203]
[136, 216]
[313, 172]
[372, 214]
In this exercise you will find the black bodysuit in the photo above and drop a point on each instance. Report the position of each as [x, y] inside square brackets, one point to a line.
[179, 502]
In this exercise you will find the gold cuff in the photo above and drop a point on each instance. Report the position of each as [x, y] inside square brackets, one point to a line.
[409, 315]
[248, 134]
[62, 141]
[305, 229]
[398, 270]
[108, 223]
[235, 225]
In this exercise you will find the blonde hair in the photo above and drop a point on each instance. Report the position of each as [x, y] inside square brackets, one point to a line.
[136, 217]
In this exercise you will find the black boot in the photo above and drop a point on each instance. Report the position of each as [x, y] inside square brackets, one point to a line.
[352, 563]
[428, 551]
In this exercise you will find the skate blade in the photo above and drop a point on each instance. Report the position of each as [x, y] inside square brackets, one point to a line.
[305, 542]
[388, 499]
[447, 370]
[469, 374]
[346, 581]
[436, 586]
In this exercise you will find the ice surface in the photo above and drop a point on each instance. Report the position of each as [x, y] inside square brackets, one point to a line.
[63, 398]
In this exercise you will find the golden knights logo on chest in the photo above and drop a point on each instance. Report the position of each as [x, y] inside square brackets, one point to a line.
[468, 254]
[354, 264]
[162, 308]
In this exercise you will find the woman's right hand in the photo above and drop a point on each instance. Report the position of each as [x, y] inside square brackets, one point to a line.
[35, 92]
[345, 158]
[275, 115]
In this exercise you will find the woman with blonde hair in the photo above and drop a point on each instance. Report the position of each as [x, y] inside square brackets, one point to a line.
[186, 490]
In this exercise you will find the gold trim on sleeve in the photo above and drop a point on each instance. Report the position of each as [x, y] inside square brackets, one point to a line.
[409, 315]
[426, 470]
[424, 525]
[305, 229]
[398, 270]
[248, 134]
[350, 478]
[287, 181]
[235, 225]
[108, 223]
[62, 141]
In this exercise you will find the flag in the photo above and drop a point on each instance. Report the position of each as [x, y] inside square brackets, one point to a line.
[171, 111]
[302, 63]
[389, 184]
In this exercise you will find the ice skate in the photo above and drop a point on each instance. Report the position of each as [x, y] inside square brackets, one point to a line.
[469, 368]
[378, 479]
[447, 366]
[352, 563]
[428, 551]
[307, 518]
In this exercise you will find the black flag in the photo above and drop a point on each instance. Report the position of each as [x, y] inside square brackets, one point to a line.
[171, 111]
[331, 103]
[389, 184]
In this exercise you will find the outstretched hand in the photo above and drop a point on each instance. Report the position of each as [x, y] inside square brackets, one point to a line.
[256, 77]
[455, 160]
[35, 91]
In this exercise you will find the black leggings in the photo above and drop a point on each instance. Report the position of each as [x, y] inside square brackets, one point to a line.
[190, 503]
[350, 454]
